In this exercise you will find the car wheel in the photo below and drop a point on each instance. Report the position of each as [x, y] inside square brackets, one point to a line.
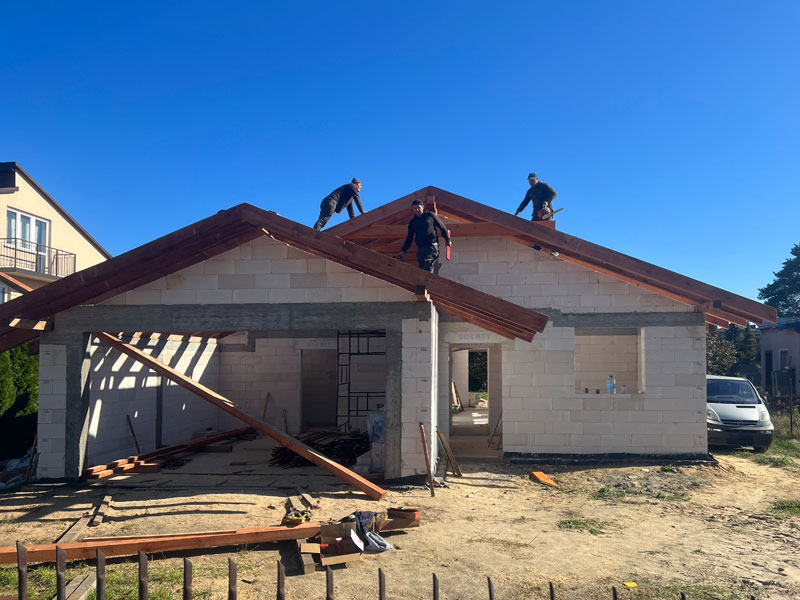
[760, 449]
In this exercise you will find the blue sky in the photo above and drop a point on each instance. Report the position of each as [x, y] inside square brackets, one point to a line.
[669, 129]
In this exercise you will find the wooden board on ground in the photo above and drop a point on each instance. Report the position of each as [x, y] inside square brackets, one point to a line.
[373, 491]
[80, 587]
[100, 514]
[75, 530]
[307, 564]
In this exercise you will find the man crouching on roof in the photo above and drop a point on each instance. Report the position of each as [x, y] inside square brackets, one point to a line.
[422, 229]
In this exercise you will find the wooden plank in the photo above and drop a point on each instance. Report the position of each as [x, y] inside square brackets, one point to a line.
[294, 503]
[309, 547]
[74, 531]
[369, 488]
[308, 501]
[174, 542]
[307, 564]
[338, 559]
[449, 454]
[427, 457]
[80, 587]
[543, 478]
[98, 516]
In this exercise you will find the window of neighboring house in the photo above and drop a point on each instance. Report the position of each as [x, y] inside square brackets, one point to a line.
[783, 359]
[31, 235]
[3, 294]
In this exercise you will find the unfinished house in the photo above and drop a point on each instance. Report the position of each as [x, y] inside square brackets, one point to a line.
[333, 331]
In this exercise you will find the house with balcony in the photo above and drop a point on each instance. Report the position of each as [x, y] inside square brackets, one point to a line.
[41, 241]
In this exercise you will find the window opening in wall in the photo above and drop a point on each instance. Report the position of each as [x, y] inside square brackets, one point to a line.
[601, 352]
[3, 294]
[783, 359]
[361, 377]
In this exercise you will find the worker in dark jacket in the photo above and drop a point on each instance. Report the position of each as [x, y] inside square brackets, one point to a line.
[339, 199]
[542, 196]
[422, 229]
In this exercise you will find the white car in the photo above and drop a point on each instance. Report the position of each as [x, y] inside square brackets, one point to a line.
[736, 415]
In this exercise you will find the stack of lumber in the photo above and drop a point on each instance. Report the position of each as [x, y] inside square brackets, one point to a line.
[338, 446]
[151, 461]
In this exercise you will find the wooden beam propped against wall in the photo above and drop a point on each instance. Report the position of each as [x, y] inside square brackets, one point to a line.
[373, 491]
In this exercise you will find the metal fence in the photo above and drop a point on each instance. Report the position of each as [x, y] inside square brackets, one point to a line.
[16, 253]
[280, 586]
[785, 407]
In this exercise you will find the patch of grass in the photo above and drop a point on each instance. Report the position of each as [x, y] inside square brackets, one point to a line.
[695, 591]
[785, 447]
[608, 493]
[698, 551]
[773, 460]
[8, 578]
[669, 469]
[593, 526]
[791, 507]
[678, 497]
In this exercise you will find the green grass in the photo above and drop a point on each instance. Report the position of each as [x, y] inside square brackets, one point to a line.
[593, 526]
[678, 497]
[608, 493]
[669, 469]
[791, 507]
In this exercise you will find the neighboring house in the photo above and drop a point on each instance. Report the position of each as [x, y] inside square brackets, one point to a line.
[248, 303]
[41, 242]
[780, 351]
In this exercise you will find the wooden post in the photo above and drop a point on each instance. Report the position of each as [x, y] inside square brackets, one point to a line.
[435, 587]
[266, 403]
[142, 576]
[552, 591]
[30, 460]
[187, 579]
[616, 597]
[231, 579]
[328, 583]
[427, 457]
[491, 588]
[133, 433]
[281, 587]
[381, 585]
[61, 573]
[101, 575]
[22, 572]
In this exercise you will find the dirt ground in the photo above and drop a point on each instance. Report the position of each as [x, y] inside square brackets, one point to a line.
[704, 529]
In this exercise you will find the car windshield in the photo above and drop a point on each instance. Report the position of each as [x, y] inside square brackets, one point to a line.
[730, 392]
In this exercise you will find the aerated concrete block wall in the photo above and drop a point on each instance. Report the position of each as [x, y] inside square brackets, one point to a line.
[419, 386]
[52, 410]
[264, 271]
[122, 387]
[545, 411]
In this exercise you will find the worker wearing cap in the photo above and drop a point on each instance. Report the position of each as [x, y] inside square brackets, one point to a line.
[339, 199]
[542, 196]
[422, 229]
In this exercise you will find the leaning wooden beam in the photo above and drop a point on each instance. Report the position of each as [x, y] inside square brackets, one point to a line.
[181, 541]
[373, 491]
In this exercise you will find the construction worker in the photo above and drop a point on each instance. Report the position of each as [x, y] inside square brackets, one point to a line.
[422, 229]
[542, 196]
[339, 199]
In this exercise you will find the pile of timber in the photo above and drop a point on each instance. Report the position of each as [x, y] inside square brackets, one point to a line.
[152, 461]
[336, 445]
[130, 546]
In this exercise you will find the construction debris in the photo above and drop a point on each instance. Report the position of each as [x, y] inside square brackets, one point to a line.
[543, 479]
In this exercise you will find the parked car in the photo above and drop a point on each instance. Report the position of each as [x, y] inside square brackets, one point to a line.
[735, 414]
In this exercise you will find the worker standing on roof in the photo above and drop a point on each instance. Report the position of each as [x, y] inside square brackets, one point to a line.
[339, 199]
[542, 196]
[422, 229]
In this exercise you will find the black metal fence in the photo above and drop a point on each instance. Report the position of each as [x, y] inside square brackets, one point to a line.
[280, 586]
[784, 407]
[16, 253]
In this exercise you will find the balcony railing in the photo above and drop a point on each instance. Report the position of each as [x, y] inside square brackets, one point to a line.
[16, 253]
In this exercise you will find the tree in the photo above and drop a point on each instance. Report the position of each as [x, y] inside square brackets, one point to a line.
[478, 373]
[720, 354]
[8, 391]
[784, 292]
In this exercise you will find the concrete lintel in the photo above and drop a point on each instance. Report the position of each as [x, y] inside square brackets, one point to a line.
[331, 316]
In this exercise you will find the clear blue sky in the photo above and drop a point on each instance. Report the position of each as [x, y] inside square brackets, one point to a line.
[669, 129]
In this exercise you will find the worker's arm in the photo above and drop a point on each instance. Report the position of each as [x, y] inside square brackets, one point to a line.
[407, 243]
[551, 194]
[358, 203]
[525, 201]
[438, 223]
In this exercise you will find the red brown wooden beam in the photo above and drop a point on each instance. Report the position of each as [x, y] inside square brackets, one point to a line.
[484, 229]
[15, 282]
[594, 253]
[393, 271]
[369, 488]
